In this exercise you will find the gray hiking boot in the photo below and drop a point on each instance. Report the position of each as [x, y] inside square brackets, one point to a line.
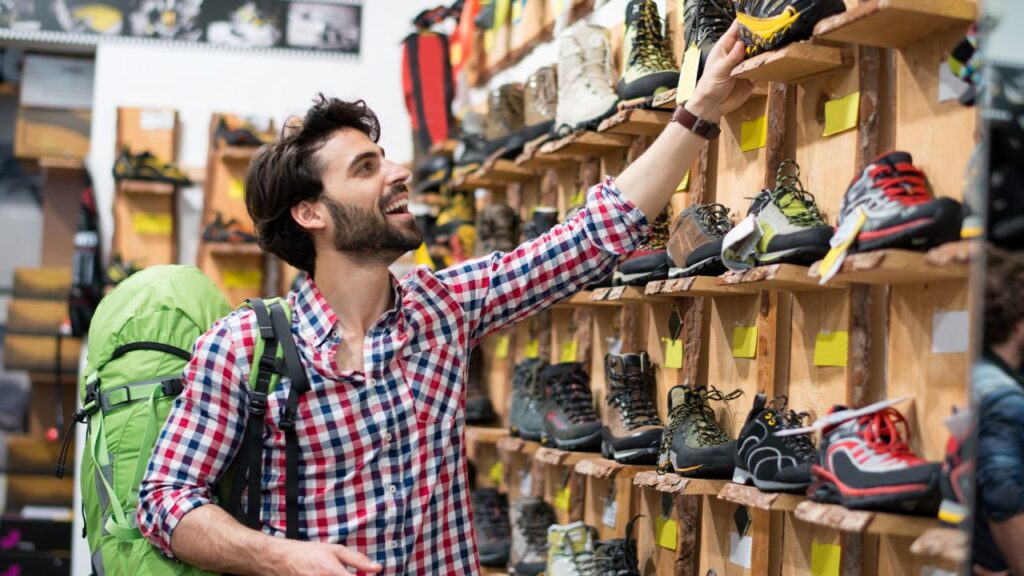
[525, 417]
[531, 518]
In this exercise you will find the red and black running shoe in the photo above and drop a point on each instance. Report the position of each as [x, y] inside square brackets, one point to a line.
[902, 211]
[865, 463]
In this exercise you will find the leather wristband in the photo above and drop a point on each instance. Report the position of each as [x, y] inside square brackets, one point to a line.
[696, 124]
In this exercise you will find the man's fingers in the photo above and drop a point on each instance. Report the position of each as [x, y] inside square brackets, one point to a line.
[357, 560]
[730, 38]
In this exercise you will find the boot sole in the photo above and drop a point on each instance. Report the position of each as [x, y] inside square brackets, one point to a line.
[741, 476]
[801, 255]
[639, 278]
[648, 85]
[906, 498]
[586, 125]
[919, 235]
[648, 455]
[708, 267]
[584, 444]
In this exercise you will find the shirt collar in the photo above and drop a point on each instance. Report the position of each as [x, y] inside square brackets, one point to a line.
[316, 318]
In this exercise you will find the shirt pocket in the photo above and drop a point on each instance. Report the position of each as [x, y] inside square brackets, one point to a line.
[433, 378]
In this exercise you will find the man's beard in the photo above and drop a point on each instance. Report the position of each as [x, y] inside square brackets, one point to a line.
[367, 236]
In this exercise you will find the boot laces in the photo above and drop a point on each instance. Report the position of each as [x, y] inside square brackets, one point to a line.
[619, 557]
[572, 395]
[649, 46]
[886, 432]
[629, 391]
[706, 21]
[594, 72]
[584, 559]
[714, 218]
[904, 183]
[796, 203]
[543, 92]
[704, 422]
[534, 524]
[801, 444]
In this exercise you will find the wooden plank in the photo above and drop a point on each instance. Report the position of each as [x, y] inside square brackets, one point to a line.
[701, 287]
[485, 435]
[814, 388]
[39, 354]
[144, 187]
[636, 122]
[786, 277]
[665, 101]
[137, 244]
[740, 373]
[794, 63]
[237, 153]
[900, 525]
[607, 469]
[945, 544]
[895, 267]
[833, 516]
[754, 498]
[895, 23]
[38, 490]
[555, 457]
[234, 249]
[676, 484]
[444, 148]
[586, 144]
[62, 196]
[31, 455]
[798, 539]
[35, 316]
[140, 135]
[53, 282]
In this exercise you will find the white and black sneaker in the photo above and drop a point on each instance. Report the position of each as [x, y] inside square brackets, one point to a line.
[769, 462]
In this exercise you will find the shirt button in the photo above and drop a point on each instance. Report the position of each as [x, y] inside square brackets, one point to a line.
[392, 544]
[392, 488]
[387, 437]
[373, 382]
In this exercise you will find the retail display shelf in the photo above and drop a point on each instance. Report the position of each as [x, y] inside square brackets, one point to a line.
[485, 435]
[794, 63]
[231, 249]
[619, 295]
[666, 100]
[637, 122]
[240, 153]
[145, 187]
[555, 457]
[444, 148]
[531, 157]
[785, 277]
[895, 23]
[947, 262]
[863, 521]
[754, 498]
[696, 287]
[578, 299]
[476, 180]
[507, 170]
[514, 445]
[608, 469]
[61, 163]
[676, 484]
[944, 544]
[586, 144]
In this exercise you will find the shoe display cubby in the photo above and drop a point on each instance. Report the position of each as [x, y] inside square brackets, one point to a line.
[235, 264]
[879, 329]
[145, 211]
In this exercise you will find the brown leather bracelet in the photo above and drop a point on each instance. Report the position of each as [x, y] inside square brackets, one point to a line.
[696, 124]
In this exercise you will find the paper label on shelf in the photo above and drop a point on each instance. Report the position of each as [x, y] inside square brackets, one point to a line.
[825, 559]
[57, 82]
[666, 532]
[497, 473]
[744, 341]
[501, 347]
[152, 223]
[562, 499]
[754, 134]
[236, 189]
[688, 74]
[934, 571]
[673, 353]
[950, 87]
[526, 484]
[739, 549]
[950, 332]
[842, 114]
[156, 120]
[614, 345]
[568, 351]
[532, 349]
[517, 10]
[684, 185]
[611, 511]
[840, 242]
[831, 348]
[242, 279]
[578, 199]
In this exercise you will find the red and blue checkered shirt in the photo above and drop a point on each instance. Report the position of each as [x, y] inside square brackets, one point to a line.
[383, 455]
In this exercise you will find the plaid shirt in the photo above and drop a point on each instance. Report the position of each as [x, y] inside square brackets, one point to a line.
[383, 456]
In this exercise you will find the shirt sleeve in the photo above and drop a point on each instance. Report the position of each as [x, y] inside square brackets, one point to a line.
[502, 288]
[198, 441]
[1000, 464]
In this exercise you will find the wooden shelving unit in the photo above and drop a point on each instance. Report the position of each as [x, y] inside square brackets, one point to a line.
[794, 63]
[895, 23]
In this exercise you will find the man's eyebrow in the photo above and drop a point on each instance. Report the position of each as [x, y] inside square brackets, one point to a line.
[363, 156]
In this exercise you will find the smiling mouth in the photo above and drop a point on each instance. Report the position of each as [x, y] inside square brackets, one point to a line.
[397, 207]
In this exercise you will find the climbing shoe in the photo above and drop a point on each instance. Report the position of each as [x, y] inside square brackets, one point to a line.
[146, 166]
[571, 550]
[221, 230]
[497, 229]
[490, 520]
[771, 24]
[479, 409]
[650, 262]
[769, 462]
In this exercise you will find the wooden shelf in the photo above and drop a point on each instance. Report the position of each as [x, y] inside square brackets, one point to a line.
[895, 23]
[508, 170]
[445, 148]
[51, 282]
[665, 101]
[944, 544]
[608, 469]
[637, 122]
[485, 435]
[581, 298]
[555, 457]
[241, 153]
[145, 187]
[514, 445]
[754, 498]
[946, 262]
[231, 249]
[785, 277]
[473, 181]
[61, 163]
[620, 295]
[843, 519]
[675, 484]
[582, 144]
[794, 63]
[696, 287]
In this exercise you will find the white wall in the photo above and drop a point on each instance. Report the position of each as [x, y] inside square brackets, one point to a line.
[200, 81]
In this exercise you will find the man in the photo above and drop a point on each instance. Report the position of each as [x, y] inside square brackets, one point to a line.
[999, 522]
[383, 485]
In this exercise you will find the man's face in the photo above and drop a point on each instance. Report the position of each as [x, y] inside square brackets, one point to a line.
[365, 200]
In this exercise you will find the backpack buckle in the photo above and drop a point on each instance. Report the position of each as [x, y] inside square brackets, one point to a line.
[257, 403]
[286, 418]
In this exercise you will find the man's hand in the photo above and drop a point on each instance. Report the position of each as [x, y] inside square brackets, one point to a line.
[297, 558]
[718, 93]
[979, 571]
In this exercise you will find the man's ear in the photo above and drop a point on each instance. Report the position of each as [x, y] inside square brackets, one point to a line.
[308, 215]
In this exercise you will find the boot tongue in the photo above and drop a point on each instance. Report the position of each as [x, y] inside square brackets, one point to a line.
[894, 158]
[677, 396]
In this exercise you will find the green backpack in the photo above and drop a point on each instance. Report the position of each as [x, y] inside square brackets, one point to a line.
[139, 342]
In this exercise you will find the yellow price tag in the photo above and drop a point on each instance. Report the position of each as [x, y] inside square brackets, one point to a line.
[557, 6]
[673, 353]
[242, 279]
[497, 473]
[744, 342]
[152, 223]
[666, 532]
[754, 134]
[684, 185]
[841, 115]
[577, 199]
[501, 347]
[532, 348]
[517, 10]
[568, 351]
[562, 498]
[825, 559]
[236, 189]
[831, 348]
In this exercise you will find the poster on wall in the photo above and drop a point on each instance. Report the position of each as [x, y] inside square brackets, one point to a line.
[323, 26]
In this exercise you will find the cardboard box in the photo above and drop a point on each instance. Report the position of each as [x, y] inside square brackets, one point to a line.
[52, 133]
[527, 22]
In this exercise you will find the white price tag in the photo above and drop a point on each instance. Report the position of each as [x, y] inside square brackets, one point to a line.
[739, 549]
[611, 510]
[950, 87]
[950, 332]
[614, 345]
[156, 120]
[526, 484]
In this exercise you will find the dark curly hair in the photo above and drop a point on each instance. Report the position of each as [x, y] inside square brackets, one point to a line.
[1004, 295]
[287, 172]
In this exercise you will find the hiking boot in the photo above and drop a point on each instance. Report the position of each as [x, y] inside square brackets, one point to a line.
[705, 22]
[490, 521]
[585, 92]
[227, 231]
[786, 227]
[956, 481]
[632, 430]
[773, 463]
[771, 24]
[525, 417]
[866, 463]
[694, 444]
[544, 218]
[541, 98]
[120, 269]
[531, 518]
[650, 262]
[146, 166]
[570, 422]
[505, 114]
[571, 550]
[901, 210]
[432, 174]
[478, 405]
[497, 229]
[648, 65]
[618, 557]
[471, 151]
[244, 135]
[694, 245]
